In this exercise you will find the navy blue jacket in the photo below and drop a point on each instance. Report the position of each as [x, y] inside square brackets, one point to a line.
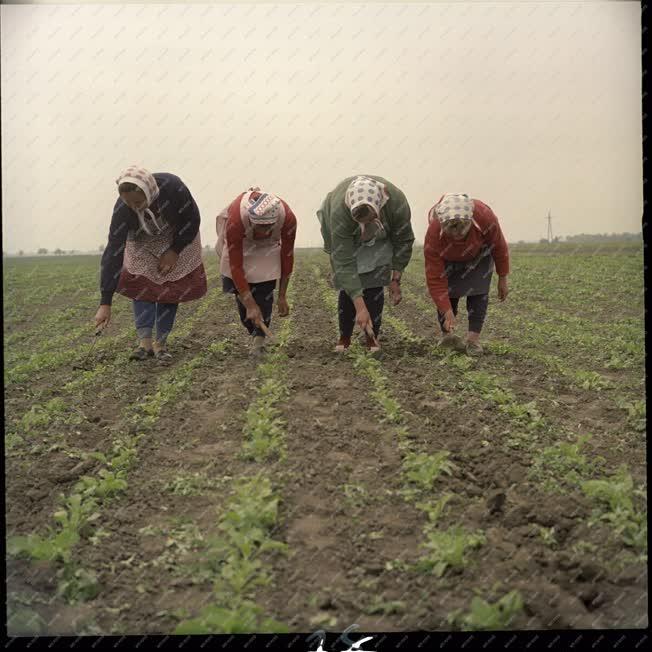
[174, 203]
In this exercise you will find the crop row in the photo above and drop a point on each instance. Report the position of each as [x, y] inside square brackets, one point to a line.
[546, 327]
[445, 548]
[61, 349]
[527, 345]
[601, 293]
[234, 558]
[82, 507]
[561, 466]
[41, 416]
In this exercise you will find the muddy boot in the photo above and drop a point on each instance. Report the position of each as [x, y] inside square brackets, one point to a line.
[163, 356]
[141, 354]
[454, 342]
[474, 348]
[257, 346]
[343, 344]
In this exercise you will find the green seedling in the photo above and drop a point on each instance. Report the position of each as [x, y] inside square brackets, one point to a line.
[636, 416]
[241, 617]
[461, 363]
[403, 330]
[264, 431]
[389, 406]
[40, 416]
[356, 495]
[397, 565]
[547, 535]
[12, 441]
[615, 497]
[56, 545]
[435, 510]
[584, 548]
[591, 380]
[563, 465]
[180, 541]
[77, 585]
[424, 470]
[189, 484]
[482, 382]
[525, 413]
[105, 486]
[618, 361]
[264, 428]
[448, 549]
[499, 348]
[487, 616]
[233, 555]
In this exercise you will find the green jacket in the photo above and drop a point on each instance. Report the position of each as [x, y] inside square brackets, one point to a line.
[341, 234]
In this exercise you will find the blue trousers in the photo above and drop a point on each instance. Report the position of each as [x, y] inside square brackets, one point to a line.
[148, 313]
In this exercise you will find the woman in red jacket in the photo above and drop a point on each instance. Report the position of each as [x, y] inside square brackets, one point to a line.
[255, 244]
[462, 243]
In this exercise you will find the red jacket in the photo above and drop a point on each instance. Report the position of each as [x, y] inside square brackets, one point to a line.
[235, 234]
[438, 247]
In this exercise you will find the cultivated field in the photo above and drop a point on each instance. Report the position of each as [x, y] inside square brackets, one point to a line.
[419, 490]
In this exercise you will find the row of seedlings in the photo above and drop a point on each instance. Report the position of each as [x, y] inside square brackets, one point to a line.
[528, 346]
[235, 557]
[41, 416]
[81, 508]
[445, 548]
[617, 500]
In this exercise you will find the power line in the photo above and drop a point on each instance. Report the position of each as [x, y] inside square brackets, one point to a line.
[549, 219]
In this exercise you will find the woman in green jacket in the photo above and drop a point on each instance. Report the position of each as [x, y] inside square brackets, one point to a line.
[365, 224]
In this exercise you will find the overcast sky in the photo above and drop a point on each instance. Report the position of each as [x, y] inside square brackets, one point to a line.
[529, 107]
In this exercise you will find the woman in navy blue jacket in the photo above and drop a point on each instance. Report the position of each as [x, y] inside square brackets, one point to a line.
[153, 255]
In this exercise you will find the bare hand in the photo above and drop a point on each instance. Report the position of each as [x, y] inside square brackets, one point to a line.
[167, 261]
[283, 307]
[102, 317]
[503, 290]
[395, 293]
[254, 314]
[449, 321]
[363, 320]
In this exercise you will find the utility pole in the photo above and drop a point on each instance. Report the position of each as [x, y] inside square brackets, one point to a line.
[549, 219]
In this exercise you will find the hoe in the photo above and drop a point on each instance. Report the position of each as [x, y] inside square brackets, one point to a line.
[83, 366]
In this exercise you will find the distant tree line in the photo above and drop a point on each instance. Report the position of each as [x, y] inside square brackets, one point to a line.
[593, 237]
[58, 252]
[597, 237]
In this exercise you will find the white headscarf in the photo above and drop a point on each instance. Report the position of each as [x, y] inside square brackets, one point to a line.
[369, 192]
[145, 181]
[454, 206]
